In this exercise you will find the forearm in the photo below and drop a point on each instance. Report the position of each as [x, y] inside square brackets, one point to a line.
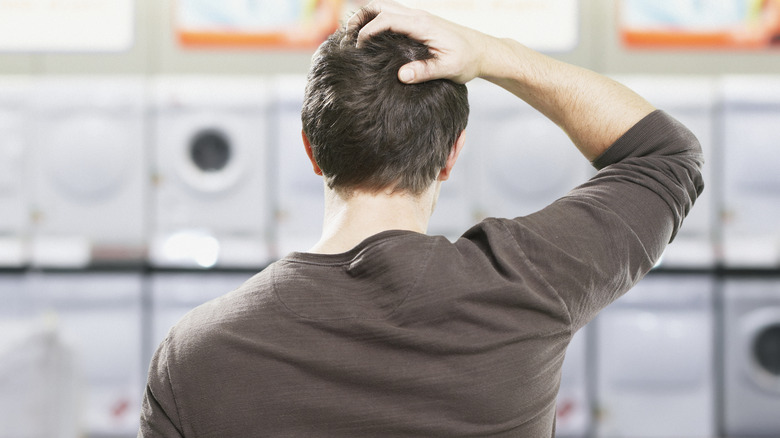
[592, 109]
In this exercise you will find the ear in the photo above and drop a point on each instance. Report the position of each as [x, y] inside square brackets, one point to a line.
[445, 173]
[307, 145]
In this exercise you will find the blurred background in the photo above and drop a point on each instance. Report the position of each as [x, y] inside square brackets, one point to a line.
[150, 160]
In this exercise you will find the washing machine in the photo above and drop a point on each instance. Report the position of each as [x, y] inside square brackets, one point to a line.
[87, 171]
[99, 315]
[300, 192]
[39, 392]
[525, 161]
[210, 176]
[655, 360]
[39, 389]
[693, 101]
[751, 181]
[573, 405]
[751, 357]
[173, 294]
[14, 221]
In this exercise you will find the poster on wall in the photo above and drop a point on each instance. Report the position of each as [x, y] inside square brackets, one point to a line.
[546, 25]
[66, 25]
[704, 24]
[286, 24]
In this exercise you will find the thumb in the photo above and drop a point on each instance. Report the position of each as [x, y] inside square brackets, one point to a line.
[416, 72]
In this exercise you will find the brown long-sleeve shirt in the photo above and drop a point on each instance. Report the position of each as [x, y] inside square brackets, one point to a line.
[409, 335]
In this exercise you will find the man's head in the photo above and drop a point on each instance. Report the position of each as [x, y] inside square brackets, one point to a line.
[367, 130]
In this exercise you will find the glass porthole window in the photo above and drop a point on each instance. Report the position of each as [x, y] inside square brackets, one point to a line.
[767, 349]
[210, 151]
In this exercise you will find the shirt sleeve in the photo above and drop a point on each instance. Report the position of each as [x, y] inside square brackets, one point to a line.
[595, 243]
[159, 413]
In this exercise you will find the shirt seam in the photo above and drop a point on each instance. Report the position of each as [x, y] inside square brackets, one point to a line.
[344, 260]
[173, 391]
[532, 265]
[413, 286]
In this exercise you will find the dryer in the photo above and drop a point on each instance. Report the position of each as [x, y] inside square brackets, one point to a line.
[751, 181]
[525, 161]
[573, 407]
[751, 357]
[300, 192]
[87, 171]
[98, 314]
[39, 389]
[210, 175]
[14, 221]
[39, 393]
[175, 294]
[692, 100]
[654, 362]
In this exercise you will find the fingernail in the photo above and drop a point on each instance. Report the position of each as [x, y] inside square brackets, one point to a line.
[407, 75]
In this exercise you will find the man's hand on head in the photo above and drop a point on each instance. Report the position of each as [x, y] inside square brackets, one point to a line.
[459, 51]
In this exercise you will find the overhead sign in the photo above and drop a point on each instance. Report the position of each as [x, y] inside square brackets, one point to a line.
[256, 23]
[716, 24]
[66, 25]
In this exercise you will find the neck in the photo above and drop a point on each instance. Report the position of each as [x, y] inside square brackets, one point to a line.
[351, 219]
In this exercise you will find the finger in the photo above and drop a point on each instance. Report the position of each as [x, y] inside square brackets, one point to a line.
[398, 22]
[377, 5]
[407, 74]
[354, 20]
[384, 21]
[419, 71]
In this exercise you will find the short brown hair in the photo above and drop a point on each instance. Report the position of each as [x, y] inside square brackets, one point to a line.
[368, 130]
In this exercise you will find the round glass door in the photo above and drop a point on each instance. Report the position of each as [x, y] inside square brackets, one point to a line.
[210, 151]
[766, 349]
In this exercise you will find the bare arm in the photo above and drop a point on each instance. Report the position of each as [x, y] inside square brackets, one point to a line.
[592, 109]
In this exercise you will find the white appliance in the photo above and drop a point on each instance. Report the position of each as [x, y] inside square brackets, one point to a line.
[693, 101]
[525, 161]
[210, 174]
[87, 171]
[751, 357]
[573, 408]
[14, 220]
[751, 180]
[655, 360]
[39, 388]
[99, 315]
[175, 294]
[300, 192]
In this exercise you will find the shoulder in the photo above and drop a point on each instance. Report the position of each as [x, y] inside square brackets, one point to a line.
[491, 237]
[216, 318]
[493, 247]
